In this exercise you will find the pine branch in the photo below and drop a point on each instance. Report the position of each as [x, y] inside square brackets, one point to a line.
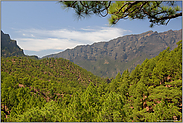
[162, 18]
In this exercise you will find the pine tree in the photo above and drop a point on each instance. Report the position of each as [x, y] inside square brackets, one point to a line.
[112, 108]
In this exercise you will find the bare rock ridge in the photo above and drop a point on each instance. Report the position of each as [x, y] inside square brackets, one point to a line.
[106, 59]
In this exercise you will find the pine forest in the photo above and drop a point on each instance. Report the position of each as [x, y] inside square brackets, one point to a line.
[57, 90]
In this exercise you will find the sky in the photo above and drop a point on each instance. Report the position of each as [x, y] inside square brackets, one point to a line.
[44, 27]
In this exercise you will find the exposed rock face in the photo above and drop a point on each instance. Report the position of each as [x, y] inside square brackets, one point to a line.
[106, 59]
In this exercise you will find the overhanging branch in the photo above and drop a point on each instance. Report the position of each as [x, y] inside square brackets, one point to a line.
[162, 18]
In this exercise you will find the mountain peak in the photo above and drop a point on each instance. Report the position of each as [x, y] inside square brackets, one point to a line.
[9, 47]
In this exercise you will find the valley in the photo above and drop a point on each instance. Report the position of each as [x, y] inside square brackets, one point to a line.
[58, 90]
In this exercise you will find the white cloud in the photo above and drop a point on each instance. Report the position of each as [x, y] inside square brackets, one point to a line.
[37, 39]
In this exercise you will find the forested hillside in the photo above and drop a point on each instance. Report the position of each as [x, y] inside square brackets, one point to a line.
[30, 83]
[50, 90]
[106, 59]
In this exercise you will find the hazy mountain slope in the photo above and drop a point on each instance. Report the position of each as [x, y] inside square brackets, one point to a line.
[106, 59]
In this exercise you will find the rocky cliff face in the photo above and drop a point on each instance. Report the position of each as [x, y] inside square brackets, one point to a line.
[106, 59]
[9, 47]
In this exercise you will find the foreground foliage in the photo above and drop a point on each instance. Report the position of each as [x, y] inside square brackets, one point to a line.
[158, 12]
[52, 90]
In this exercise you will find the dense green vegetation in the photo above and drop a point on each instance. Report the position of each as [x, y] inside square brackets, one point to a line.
[58, 90]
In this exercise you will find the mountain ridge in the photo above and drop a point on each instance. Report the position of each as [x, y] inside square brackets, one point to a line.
[127, 50]
[9, 47]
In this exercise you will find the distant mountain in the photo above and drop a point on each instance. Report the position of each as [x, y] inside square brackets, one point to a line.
[106, 59]
[10, 48]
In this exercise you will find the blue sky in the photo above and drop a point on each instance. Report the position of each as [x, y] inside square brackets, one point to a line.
[44, 27]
